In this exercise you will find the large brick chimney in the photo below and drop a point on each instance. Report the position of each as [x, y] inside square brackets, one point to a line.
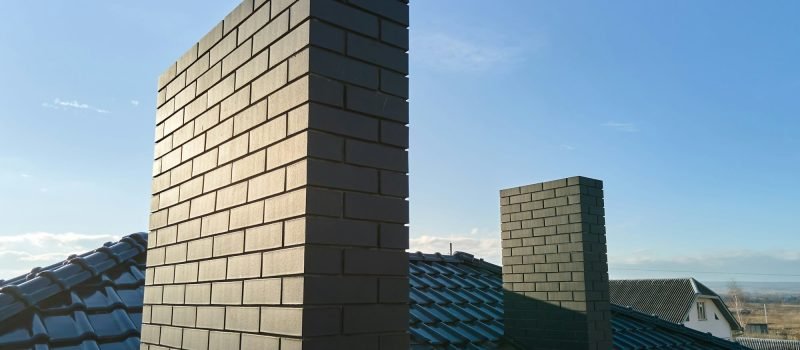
[280, 180]
[555, 272]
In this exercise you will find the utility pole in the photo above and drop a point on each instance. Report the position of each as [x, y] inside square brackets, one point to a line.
[766, 320]
[451, 248]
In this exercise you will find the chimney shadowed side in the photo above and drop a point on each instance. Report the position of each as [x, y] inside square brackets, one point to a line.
[555, 269]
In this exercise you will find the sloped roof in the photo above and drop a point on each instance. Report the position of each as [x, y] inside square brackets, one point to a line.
[94, 301]
[457, 303]
[90, 301]
[769, 344]
[669, 298]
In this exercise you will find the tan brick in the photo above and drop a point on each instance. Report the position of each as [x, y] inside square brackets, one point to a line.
[242, 318]
[176, 253]
[239, 56]
[188, 230]
[185, 133]
[249, 166]
[161, 314]
[263, 237]
[211, 317]
[221, 91]
[186, 95]
[229, 243]
[216, 223]
[167, 76]
[206, 121]
[203, 205]
[226, 293]
[299, 64]
[174, 294]
[252, 69]
[163, 112]
[196, 108]
[253, 341]
[217, 178]
[223, 341]
[262, 291]
[270, 82]
[296, 175]
[186, 273]
[254, 23]
[158, 219]
[247, 215]
[209, 78]
[235, 103]
[233, 149]
[271, 32]
[281, 262]
[287, 151]
[184, 316]
[198, 68]
[164, 146]
[167, 235]
[176, 85]
[164, 275]
[232, 196]
[244, 266]
[155, 256]
[180, 174]
[191, 188]
[250, 117]
[211, 270]
[193, 148]
[219, 134]
[171, 159]
[153, 294]
[195, 339]
[282, 320]
[198, 293]
[269, 133]
[204, 162]
[168, 198]
[200, 249]
[266, 185]
[285, 206]
[221, 49]
[178, 213]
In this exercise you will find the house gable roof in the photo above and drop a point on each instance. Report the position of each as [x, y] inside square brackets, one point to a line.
[94, 301]
[670, 299]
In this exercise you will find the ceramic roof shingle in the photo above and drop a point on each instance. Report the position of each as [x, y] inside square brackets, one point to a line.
[769, 344]
[90, 301]
[94, 301]
[670, 299]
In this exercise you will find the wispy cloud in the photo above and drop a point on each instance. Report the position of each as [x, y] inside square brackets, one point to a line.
[135, 103]
[24, 175]
[449, 52]
[568, 147]
[623, 127]
[485, 248]
[67, 105]
[21, 252]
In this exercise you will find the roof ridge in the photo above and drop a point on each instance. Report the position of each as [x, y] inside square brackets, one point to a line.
[45, 283]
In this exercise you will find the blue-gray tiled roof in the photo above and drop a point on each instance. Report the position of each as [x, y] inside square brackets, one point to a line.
[94, 301]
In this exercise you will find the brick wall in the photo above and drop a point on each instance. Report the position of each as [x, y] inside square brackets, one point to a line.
[555, 271]
[279, 205]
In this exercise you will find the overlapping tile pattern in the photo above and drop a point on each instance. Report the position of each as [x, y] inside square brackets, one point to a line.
[90, 301]
[280, 166]
[457, 303]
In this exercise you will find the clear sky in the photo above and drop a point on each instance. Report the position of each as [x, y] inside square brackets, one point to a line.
[687, 110]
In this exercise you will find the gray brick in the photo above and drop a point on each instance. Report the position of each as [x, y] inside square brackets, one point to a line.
[377, 104]
[368, 207]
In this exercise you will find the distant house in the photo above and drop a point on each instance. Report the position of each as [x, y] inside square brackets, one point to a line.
[757, 328]
[685, 301]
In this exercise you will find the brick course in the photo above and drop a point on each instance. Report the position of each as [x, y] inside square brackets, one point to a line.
[280, 181]
[555, 270]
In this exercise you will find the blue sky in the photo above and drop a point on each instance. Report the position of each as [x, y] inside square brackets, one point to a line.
[687, 110]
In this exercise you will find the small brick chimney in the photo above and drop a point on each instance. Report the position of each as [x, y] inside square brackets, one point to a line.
[555, 270]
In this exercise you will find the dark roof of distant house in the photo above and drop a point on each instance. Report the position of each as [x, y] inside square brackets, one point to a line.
[94, 301]
[457, 303]
[769, 344]
[670, 299]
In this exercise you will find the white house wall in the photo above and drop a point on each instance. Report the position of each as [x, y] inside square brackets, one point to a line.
[719, 328]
